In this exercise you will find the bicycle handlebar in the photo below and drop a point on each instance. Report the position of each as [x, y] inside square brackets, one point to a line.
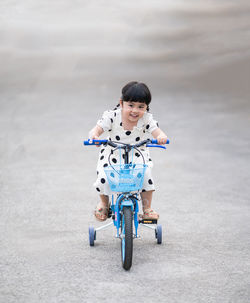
[94, 142]
[154, 141]
[99, 142]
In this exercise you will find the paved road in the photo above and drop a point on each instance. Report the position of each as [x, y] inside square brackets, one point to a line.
[47, 107]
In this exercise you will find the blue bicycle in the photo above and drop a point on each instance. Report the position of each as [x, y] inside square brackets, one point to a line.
[126, 179]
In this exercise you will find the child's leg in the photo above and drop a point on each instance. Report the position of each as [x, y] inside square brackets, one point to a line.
[104, 201]
[146, 198]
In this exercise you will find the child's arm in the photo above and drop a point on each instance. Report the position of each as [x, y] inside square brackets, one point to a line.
[95, 132]
[160, 136]
[102, 125]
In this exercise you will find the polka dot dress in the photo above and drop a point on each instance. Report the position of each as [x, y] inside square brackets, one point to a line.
[111, 122]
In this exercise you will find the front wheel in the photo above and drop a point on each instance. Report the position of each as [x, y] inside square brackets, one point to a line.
[127, 237]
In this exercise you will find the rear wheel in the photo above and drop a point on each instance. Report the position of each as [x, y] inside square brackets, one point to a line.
[158, 233]
[127, 237]
[92, 236]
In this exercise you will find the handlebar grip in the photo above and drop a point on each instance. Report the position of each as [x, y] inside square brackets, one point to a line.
[154, 141]
[94, 142]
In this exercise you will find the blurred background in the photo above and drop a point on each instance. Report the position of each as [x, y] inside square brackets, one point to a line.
[81, 44]
[62, 63]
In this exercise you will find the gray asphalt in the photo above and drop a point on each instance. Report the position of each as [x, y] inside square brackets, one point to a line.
[52, 94]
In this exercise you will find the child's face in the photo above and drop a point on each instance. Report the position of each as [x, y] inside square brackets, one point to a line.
[133, 111]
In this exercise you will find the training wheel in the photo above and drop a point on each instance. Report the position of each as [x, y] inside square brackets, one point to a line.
[158, 233]
[92, 236]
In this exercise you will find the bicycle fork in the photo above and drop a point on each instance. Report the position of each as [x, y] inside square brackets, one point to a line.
[126, 201]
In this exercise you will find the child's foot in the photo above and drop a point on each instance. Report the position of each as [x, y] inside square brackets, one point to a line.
[101, 212]
[150, 214]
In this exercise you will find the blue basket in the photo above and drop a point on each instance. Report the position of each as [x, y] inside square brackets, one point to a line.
[125, 177]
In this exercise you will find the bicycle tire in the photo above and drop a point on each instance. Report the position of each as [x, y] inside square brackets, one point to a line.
[127, 237]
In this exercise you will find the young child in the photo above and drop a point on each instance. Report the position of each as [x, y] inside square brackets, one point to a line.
[130, 122]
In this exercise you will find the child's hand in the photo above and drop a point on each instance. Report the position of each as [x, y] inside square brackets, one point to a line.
[160, 136]
[162, 139]
[94, 137]
[95, 133]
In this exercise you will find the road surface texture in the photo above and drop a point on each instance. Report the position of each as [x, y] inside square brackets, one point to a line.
[62, 64]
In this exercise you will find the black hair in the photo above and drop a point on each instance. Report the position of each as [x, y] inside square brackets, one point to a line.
[136, 92]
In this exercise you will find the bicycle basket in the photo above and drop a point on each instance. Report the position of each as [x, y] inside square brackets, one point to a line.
[125, 177]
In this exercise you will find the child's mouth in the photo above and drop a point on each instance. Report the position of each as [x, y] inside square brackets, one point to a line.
[133, 116]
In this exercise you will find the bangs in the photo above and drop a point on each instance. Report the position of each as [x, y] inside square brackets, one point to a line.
[137, 92]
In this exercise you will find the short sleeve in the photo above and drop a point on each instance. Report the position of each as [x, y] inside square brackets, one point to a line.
[150, 123]
[107, 120]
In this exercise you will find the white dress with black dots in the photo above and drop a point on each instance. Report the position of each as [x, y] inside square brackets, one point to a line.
[111, 122]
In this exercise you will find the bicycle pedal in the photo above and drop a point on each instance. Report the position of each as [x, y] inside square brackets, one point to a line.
[148, 221]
